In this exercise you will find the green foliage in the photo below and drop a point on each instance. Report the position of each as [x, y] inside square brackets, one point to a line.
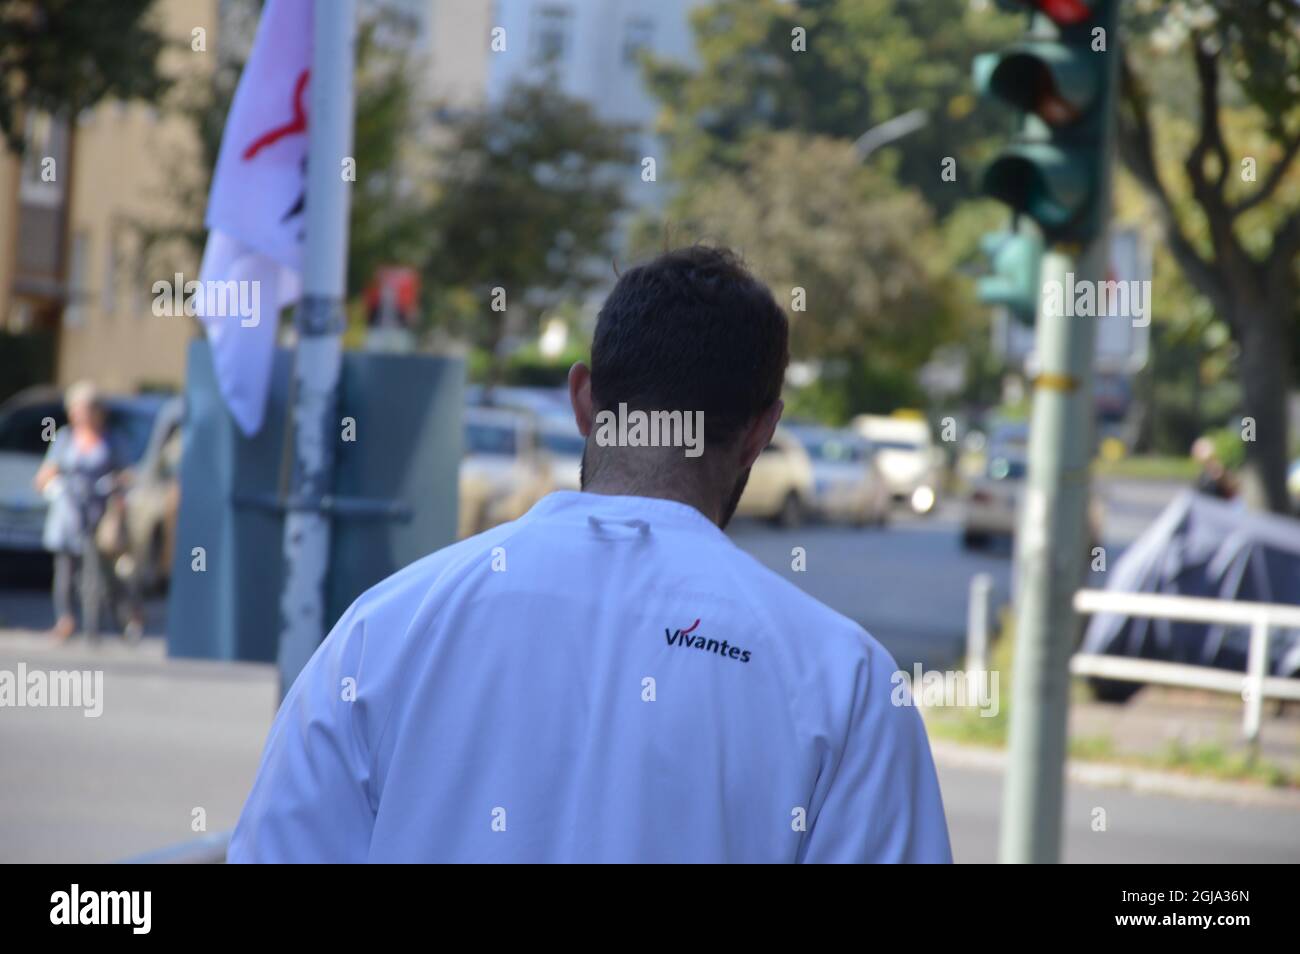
[864, 62]
[390, 216]
[1210, 129]
[64, 56]
[528, 193]
[852, 258]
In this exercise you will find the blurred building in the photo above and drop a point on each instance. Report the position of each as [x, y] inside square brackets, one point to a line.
[75, 285]
[590, 49]
[76, 282]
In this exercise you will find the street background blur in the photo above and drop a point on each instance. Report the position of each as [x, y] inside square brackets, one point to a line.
[511, 158]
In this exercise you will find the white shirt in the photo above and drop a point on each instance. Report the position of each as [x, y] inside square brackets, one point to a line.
[606, 679]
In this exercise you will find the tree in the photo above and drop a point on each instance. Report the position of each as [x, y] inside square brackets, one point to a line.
[64, 56]
[832, 68]
[849, 255]
[1231, 213]
[528, 194]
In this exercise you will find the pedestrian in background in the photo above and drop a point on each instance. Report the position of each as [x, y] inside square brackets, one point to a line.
[76, 478]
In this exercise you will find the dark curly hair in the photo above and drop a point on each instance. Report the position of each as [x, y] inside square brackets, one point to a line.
[692, 330]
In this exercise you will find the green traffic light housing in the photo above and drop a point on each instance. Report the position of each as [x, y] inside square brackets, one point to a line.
[1046, 183]
[1058, 78]
[1014, 281]
[1058, 84]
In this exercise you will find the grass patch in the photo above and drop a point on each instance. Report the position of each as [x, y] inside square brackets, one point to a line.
[1148, 468]
[1204, 759]
[1215, 760]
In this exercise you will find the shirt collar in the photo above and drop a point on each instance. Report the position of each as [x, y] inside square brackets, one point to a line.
[655, 511]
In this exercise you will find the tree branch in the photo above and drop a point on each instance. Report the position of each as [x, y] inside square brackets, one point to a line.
[1209, 192]
[1138, 155]
[1266, 188]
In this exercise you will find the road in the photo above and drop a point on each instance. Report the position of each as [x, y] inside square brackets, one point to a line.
[908, 584]
[177, 737]
[1139, 828]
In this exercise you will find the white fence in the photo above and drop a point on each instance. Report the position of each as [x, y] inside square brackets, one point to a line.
[1254, 685]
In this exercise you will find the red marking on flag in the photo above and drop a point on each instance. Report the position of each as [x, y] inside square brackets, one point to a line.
[693, 625]
[296, 125]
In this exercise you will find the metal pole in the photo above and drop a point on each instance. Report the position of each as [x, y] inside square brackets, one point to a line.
[978, 616]
[1256, 669]
[1051, 547]
[318, 322]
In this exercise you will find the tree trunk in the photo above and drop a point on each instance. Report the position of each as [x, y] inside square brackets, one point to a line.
[1264, 368]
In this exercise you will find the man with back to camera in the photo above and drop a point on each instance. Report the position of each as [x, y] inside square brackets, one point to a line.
[609, 678]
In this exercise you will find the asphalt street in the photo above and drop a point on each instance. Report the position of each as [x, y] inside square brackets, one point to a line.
[178, 743]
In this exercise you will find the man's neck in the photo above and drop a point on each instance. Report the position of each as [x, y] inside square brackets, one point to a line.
[621, 486]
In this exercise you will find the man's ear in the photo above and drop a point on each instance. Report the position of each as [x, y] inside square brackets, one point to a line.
[760, 434]
[580, 396]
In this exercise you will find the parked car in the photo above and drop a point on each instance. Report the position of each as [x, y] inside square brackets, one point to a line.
[907, 457]
[27, 422]
[503, 471]
[993, 499]
[781, 486]
[847, 483]
[564, 446]
[152, 502]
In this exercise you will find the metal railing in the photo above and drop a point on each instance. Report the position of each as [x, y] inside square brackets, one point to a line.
[1254, 685]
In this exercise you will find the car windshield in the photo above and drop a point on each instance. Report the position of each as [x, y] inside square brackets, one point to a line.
[23, 431]
[564, 444]
[1006, 468]
[897, 445]
[490, 439]
[835, 450]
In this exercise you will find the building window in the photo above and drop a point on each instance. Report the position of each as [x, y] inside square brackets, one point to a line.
[638, 34]
[550, 34]
[74, 313]
[41, 176]
[108, 290]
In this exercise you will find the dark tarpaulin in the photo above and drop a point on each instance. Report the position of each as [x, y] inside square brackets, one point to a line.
[1202, 546]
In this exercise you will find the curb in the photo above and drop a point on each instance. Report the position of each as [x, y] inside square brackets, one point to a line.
[1141, 780]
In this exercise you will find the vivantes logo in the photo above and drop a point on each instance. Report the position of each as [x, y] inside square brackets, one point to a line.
[685, 639]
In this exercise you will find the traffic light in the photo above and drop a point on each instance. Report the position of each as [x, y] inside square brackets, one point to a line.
[1014, 282]
[1060, 79]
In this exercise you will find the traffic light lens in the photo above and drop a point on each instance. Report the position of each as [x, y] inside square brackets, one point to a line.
[1029, 81]
[1019, 182]
[1052, 109]
[1065, 12]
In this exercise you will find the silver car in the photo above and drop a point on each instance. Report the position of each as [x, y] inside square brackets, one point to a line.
[847, 483]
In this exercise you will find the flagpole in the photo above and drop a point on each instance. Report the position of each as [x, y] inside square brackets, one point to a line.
[318, 321]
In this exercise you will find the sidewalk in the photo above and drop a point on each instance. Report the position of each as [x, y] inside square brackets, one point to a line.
[177, 740]
[1178, 742]
[1160, 717]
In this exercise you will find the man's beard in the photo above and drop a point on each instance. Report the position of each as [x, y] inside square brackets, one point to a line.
[729, 510]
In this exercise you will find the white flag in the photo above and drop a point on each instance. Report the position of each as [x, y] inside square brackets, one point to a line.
[256, 211]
